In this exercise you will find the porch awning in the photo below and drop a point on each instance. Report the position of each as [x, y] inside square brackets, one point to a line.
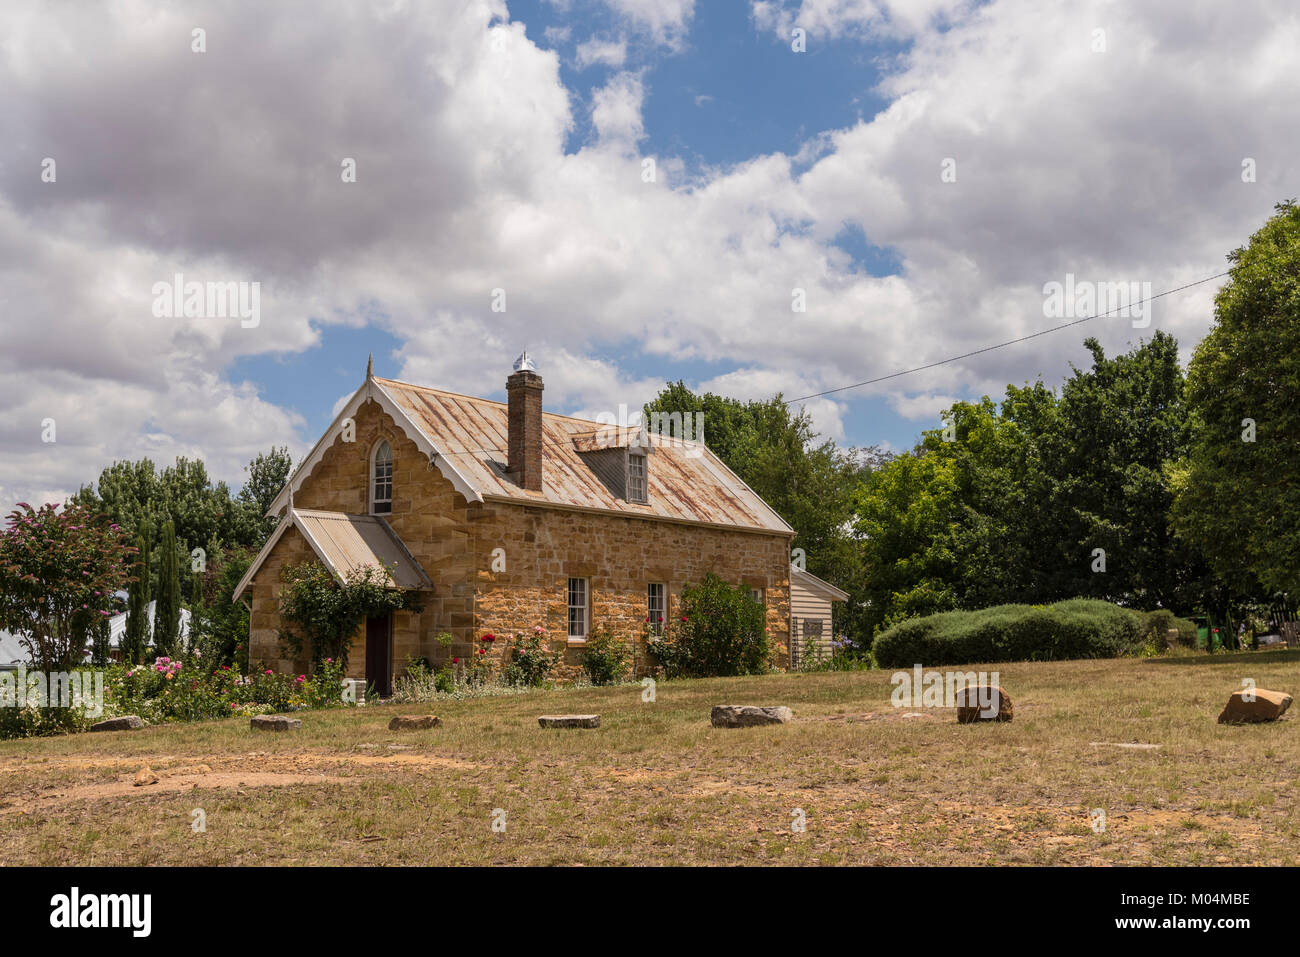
[345, 543]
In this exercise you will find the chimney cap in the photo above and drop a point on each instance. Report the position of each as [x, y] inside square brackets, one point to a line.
[524, 363]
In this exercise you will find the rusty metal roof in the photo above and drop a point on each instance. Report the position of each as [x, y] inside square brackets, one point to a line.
[346, 543]
[687, 482]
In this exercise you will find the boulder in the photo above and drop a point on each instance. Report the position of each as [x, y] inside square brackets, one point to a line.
[145, 776]
[126, 722]
[274, 722]
[569, 721]
[748, 715]
[973, 700]
[411, 722]
[1266, 706]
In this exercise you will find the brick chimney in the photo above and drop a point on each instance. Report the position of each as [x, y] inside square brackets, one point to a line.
[524, 404]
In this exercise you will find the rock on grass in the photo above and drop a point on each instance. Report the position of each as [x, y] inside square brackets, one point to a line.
[411, 722]
[748, 716]
[983, 703]
[274, 722]
[569, 721]
[1265, 706]
[126, 722]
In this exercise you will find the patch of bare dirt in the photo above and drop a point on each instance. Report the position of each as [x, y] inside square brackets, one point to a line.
[163, 782]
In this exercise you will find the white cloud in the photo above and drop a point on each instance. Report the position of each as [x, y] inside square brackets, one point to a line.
[666, 21]
[857, 18]
[611, 53]
[616, 112]
[225, 165]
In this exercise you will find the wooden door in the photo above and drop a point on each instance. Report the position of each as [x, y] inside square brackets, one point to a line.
[379, 655]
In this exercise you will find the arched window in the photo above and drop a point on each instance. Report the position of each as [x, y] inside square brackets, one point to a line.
[381, 484]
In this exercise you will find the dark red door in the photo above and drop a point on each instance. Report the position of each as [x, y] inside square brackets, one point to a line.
[379, 655]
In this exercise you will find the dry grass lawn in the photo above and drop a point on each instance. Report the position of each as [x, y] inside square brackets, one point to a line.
[656, 784]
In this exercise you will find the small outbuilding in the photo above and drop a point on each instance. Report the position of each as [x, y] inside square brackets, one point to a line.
[810, 615]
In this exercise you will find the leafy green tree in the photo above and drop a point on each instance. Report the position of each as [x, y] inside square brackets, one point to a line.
[905, 512]
[127, 492]
[139, 497]
[135, 639]
[219, 623]
[1008, 502]
[1121, 424]
[1238, 490]
[58, 572]
[810, 484]
[267, 475]
[167, 611]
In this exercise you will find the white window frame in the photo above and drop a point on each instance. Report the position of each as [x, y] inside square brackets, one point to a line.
[757, 594]
[585, 606]
[657, 621]
[372, 480]
[640, 495]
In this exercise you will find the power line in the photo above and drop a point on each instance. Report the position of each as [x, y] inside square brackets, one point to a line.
[1009, 342]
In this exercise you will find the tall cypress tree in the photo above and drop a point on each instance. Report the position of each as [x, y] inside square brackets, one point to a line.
[167, 614]
[136, 637]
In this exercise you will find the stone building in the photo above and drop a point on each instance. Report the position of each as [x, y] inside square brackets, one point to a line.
[505, 518]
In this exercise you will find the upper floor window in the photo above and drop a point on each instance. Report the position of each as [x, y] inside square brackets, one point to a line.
[756, 594]
[381, 484]
[636, 478]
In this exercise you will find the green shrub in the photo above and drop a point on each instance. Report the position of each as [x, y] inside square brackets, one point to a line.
[605, 657]
[32, 721]
[1077, 628]
[1156, 625]
[531, 661]
[722, 632]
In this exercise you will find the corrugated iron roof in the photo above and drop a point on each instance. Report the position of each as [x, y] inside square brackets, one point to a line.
[346, 543]
[818, 585]
[687, 482]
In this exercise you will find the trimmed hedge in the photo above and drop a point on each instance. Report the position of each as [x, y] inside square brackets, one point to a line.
[1077, 628]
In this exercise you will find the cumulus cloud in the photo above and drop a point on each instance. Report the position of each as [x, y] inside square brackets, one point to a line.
[225, 165]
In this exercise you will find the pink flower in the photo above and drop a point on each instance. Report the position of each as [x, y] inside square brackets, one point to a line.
[269, 671]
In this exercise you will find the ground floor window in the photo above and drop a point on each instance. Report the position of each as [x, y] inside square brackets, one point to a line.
[756, 594]
[656, 607]
[579, 608]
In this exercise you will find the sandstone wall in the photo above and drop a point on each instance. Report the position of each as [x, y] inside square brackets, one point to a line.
[620, 556]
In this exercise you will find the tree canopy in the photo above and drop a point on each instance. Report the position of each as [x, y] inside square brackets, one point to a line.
[1238, 488]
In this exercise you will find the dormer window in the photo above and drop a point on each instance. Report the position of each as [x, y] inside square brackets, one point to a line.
[381, 485]
[636, 477]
